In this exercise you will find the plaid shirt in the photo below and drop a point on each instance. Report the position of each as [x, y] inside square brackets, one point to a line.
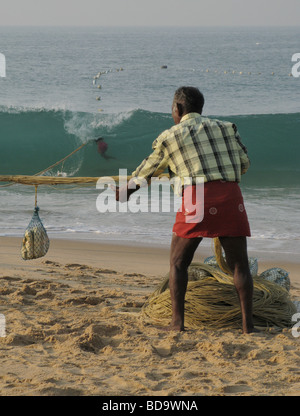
[197, 147]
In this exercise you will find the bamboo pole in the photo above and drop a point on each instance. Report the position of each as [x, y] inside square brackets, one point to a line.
[58, 180]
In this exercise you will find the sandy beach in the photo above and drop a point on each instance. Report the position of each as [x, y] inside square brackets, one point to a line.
[74, 328]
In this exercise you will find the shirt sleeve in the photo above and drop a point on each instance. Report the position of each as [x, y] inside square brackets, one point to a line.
[156, 161]
[243, 153]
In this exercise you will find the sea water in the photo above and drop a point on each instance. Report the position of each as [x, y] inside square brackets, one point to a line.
[68, 86]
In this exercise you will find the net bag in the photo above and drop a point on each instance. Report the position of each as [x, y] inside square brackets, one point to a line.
[253, 264]
[35, 241]
[277, 275]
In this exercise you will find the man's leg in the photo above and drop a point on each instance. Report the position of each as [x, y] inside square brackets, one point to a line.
[182, 253]
[237, 259]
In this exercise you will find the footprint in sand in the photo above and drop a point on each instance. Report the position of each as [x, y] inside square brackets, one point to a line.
[11, 278]
[95, 336]
[51, 263]
[84, 300]
[76, 266]
[162, 349]
[238, 388]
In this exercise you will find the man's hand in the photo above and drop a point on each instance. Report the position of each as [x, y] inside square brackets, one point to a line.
[123, 193]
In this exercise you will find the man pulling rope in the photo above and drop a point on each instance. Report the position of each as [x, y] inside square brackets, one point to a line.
[201, 147]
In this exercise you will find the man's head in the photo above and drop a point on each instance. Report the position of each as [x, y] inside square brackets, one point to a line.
[186, 100]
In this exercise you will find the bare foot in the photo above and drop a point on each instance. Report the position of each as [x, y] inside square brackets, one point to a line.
[251, 330]
[175, 328]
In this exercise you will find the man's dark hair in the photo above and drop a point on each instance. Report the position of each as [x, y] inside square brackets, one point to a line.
[191, 99]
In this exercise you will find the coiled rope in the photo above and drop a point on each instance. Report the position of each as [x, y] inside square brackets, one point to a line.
[212, 302]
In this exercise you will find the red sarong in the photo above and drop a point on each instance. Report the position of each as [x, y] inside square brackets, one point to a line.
[223, 210]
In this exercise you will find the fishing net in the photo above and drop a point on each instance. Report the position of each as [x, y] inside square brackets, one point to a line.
[212, 301]
[35, 241]
[277, 275]
[253, 264]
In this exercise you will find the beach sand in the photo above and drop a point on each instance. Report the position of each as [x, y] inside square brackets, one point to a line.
[73, 327]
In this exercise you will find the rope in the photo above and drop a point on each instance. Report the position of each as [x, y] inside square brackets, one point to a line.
[35, 199]
[220, 258]
[38, 179]
[62, 160]
[212, 301]
[41, 172]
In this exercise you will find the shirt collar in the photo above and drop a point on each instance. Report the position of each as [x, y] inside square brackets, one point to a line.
[190, 116]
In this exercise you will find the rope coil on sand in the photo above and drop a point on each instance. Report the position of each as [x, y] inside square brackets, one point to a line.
[212, 301]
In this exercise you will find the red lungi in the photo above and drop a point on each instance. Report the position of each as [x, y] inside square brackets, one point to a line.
[224, 212]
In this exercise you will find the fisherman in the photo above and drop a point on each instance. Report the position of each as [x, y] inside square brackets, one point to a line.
[201, 147]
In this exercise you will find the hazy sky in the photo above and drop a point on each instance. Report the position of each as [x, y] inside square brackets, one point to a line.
[150, 12]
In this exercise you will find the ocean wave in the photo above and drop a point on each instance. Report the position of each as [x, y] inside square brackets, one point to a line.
[32, 139]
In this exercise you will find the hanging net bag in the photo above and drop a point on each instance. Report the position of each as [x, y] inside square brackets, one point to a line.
[35, 241]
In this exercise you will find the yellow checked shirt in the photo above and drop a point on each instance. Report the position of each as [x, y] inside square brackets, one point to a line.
[197, 147]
